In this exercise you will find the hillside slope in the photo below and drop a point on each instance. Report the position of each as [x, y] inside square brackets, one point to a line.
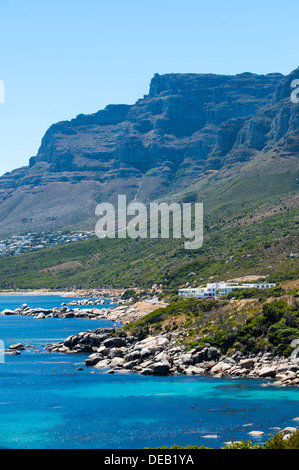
[255, 234]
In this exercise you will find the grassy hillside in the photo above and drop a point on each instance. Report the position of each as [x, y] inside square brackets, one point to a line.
[251, 227]
[260, 247]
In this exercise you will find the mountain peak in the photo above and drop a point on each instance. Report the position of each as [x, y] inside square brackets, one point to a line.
[188, 126]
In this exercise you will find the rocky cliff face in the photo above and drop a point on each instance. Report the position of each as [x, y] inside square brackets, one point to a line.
[188, 126]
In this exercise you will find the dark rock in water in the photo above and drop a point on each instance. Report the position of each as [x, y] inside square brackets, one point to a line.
[12, 353]
[71, 341]
[69, 315]
[7, 312]
[93, 359]
[146, 371]
[17, 346]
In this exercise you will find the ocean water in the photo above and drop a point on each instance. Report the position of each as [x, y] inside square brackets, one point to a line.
[44, 301]
[46, 403]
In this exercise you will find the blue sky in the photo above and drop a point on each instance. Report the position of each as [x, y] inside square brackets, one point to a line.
[62, 58]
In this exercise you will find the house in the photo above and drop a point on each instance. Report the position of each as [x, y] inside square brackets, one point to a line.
[213, 290]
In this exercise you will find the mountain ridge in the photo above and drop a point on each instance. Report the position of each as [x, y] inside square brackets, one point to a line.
[189, 128]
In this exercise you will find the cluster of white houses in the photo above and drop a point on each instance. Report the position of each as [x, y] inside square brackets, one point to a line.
[216, 289]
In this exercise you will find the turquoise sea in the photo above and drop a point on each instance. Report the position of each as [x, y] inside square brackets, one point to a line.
[45, 403]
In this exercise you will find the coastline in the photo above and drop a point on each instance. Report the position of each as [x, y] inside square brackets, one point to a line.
[81, 293]
[41, 292]
[120, 314]
[111, 350]
[117, 350]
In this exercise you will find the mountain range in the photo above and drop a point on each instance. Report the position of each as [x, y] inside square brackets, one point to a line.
[222, 138]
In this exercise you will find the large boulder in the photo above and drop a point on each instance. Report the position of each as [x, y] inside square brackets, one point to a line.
[295, 355]
[130, 364]
[7, 312]
[93, 359]
[117, 362]
[104, 364]
[267, 372]
[187, 359]
[114, 342]
[211, 353]
[117, 352]
[218, 368]
[71, 341]
[199, 357]
[94, 339]
[69, 315]
[161, 368]
[193, 370]
[133, 356]
[247, 363]
[41, 316]
[102, 350]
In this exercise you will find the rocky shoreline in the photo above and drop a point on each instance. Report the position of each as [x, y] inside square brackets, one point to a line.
[57, 312]
[123, 314]
[112, 350]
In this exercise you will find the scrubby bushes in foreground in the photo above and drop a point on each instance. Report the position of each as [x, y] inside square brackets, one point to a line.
[276, 442]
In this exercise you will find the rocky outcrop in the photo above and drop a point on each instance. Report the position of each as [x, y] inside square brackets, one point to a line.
[131, 313]
[57, 312]
[123, 314]
[162, 355]
[17, 347]
[188, 126]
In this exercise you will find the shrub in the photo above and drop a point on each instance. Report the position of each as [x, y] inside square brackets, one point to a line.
[278, 442]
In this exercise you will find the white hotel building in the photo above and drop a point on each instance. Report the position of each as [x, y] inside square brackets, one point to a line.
[216, 289]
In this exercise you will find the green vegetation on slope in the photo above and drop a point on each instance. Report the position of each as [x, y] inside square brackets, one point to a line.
[251, 227]
[261, 248]
[248, 326]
